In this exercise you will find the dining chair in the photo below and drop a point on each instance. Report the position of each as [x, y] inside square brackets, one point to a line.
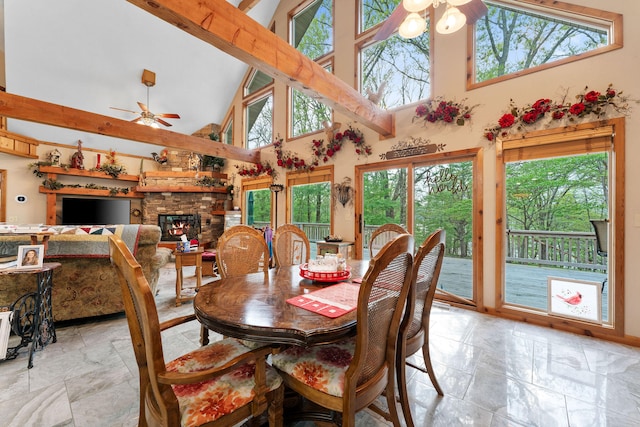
[242, 250]
[415, 326]
[382, 235]
[349, 375]
[219, 384]
[290, 246]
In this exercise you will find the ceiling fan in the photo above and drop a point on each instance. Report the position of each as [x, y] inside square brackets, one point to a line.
[146, 116]
[471, 9]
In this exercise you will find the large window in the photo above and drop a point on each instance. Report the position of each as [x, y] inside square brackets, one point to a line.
[259, 122]
[519, 38]
[550, 188]
[307, 114]
[397, 69]
[309, 202]
[374, 12]
[312, 29]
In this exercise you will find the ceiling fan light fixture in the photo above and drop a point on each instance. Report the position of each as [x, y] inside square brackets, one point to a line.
[412, 26]
[416, 5]
[451, 21]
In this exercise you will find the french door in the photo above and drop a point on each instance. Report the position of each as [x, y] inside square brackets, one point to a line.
[422, 194]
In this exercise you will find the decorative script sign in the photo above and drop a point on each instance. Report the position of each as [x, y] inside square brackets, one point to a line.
[443, 180]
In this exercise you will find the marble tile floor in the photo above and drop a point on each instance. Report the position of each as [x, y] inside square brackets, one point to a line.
[494, 372]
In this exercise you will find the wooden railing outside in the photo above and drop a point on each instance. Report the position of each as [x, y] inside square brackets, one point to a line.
[554, 248]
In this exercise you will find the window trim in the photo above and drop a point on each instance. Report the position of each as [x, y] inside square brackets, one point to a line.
[257, 183]
[299, 8]
[547, 7]
[536, 143]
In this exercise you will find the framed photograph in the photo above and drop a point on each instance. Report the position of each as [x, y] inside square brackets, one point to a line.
[30, 257]
[576, 299]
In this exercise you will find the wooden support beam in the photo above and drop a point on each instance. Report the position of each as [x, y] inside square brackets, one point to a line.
[224, 26]
[33, 110]
[247, 5]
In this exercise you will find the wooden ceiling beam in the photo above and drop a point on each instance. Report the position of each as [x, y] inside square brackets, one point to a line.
[224, 26]
[247, 5]
[33, 110]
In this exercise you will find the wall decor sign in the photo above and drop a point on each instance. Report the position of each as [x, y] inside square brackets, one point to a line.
[576, 299]
[412, 147]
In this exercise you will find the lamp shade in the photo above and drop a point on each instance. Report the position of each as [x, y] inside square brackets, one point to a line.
[451, 21]
[416, 5]
[457, 2]
[412, 26]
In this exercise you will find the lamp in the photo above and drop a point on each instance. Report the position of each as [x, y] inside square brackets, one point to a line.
[276, 188]
[416, 5]
[412, 26]
[451, 21]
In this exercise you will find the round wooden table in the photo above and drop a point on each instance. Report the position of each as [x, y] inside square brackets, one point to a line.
[255, 308]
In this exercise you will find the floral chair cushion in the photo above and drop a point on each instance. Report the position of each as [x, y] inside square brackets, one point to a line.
[209, 400]
[321, 367]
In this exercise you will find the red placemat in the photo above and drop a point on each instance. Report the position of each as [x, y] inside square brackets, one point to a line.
[332, 301]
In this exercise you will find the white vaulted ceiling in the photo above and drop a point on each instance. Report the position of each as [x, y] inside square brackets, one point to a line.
[90, 55]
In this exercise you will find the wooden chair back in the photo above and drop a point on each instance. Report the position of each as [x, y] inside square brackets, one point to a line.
[158, 403]
[383, 234]
[290, 246]
[381, 302]
[242, 250]
[427, 264]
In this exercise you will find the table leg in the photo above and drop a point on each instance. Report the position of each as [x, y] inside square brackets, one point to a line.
[178, 283]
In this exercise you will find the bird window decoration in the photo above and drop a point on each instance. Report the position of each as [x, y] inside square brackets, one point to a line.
[577, 299]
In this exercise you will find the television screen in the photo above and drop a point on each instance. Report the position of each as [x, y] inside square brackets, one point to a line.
[77, 211]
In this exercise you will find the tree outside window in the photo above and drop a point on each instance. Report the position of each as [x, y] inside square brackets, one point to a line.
[509, 39]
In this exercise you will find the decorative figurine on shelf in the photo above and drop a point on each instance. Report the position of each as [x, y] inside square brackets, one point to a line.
[77, 160]
[162, 158]
[54, 157]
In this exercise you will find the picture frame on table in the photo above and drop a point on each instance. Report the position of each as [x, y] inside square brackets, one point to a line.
[30, 257]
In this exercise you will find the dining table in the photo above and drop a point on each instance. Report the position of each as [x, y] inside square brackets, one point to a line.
[254, 307]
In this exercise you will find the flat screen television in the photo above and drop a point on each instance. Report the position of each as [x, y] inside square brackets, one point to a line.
[79, 211]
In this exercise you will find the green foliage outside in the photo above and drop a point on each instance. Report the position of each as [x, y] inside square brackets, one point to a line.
[510, 40]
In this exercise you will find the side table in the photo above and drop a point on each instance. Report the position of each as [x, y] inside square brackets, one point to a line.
[33, 313]
[185, 259]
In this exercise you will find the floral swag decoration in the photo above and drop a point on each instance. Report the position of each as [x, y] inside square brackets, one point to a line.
[439, 109]
[321, 153]
[587, 103]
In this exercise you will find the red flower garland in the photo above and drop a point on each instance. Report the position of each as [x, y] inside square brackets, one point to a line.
[320, 152]
[257, 170]
[439, 109]
[591, 102]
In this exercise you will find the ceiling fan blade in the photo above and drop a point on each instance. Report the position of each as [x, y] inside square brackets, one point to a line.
[122, 109]
[168, 115]
[142, 106]
[163, 122]
[391, 23]
[473, 10]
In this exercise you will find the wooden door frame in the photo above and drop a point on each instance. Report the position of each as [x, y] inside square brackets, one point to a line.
[3, 195]
[616, 209]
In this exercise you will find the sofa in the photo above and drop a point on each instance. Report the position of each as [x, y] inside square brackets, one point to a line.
[86, 284]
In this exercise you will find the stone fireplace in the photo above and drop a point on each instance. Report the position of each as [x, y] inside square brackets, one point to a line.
[173, 227]
[172, 191]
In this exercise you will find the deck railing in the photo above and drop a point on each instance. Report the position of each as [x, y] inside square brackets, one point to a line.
[556, 248]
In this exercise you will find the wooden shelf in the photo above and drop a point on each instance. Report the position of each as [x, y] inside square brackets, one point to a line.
[86, 173]
[183, 174]
[179, 189]
[82, 191]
